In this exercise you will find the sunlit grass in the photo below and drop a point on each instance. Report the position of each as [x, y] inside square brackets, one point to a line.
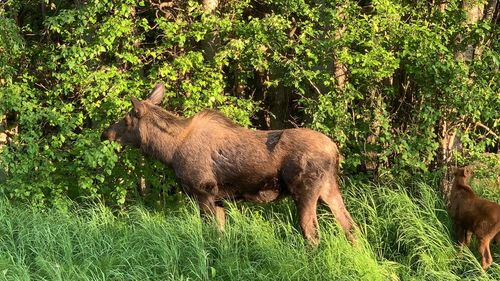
[402, 236]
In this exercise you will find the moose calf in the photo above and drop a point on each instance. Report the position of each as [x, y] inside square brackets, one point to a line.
[473, 215]
[215, 159]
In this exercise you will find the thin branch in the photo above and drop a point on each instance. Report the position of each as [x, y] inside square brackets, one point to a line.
[314, 86]
[490, 131]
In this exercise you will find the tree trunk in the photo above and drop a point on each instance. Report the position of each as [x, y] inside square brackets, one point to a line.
[209, 6]
[276, 103]
[491, 10]
[279, 107]
[442, 6]
[474, 14]
[489, 13]
[372, 144]
[447, 135]
[340, 69]
[209, 43]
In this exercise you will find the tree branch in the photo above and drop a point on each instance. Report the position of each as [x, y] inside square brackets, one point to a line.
[490, 131]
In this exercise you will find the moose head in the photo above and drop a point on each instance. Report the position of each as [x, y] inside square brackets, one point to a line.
[127, 130]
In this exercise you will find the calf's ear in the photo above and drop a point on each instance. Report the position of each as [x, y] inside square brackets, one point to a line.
[459, 171]
[468, 171]
[157, 94]
[139, 107]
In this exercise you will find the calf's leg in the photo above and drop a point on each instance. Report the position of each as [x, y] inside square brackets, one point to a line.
[462, 235]
[468, 237]
[484, 249]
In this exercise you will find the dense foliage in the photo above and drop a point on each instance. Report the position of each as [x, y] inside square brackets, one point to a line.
[388, 80]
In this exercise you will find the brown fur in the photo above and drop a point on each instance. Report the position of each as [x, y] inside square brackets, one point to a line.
[215, 159]
[473, 215]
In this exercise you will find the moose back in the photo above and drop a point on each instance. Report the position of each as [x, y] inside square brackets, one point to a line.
[215, 159]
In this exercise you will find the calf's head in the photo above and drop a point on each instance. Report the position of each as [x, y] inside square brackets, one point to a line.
[464, 172]
[127, 130]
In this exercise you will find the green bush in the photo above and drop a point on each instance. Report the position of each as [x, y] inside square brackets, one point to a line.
[68, 68]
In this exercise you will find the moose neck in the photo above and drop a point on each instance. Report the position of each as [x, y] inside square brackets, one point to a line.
[160, 134]
[461, 180]
[461, 183]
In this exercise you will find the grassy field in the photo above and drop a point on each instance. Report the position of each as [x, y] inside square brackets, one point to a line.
[403, 237]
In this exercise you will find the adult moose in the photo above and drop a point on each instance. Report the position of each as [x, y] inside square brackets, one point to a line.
[215, 159]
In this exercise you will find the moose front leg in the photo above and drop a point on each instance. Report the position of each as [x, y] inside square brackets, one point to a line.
[220, 216]
[460, 234]
[209, 207]
[468, 237]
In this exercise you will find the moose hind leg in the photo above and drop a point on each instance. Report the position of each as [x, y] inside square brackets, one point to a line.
[484, 249]
[306, 207]
[333, 199]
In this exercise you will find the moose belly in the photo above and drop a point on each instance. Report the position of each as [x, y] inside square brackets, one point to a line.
[263, 191]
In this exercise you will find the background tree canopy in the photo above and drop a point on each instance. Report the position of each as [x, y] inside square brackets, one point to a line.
[398, 85]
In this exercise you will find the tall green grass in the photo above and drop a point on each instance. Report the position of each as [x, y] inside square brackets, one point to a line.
[402, 236]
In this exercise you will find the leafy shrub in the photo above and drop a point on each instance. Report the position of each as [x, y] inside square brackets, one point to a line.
[71, 68]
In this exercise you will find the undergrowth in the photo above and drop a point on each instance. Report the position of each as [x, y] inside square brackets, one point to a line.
[404, 234]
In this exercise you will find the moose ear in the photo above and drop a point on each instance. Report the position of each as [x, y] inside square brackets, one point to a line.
[157, 94]
[139, 107]
[468, 171]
